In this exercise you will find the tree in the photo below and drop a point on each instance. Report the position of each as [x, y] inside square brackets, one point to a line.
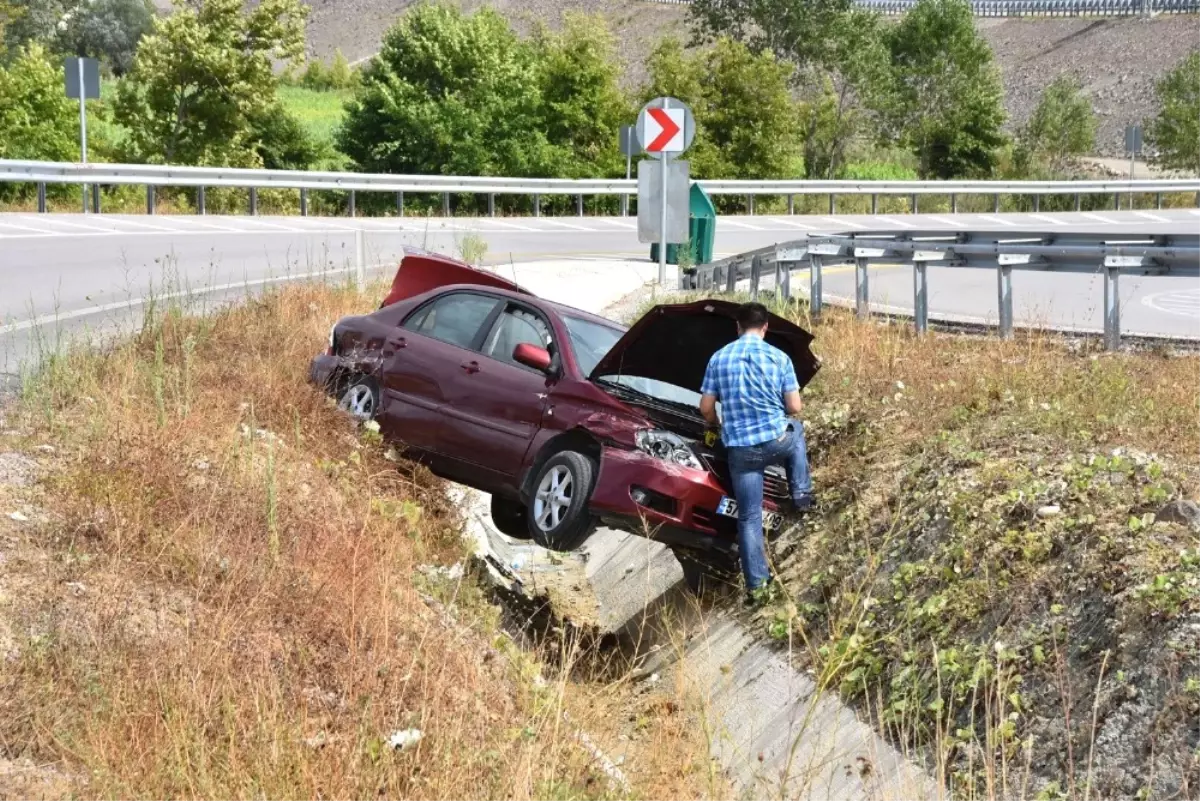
[945, 101]
[202, 76]
[745, 115]
[583, 105]
[449, 94]
[37, 121]
[108, 30]
[839, 59]
[1062, 126]
[1175, 132]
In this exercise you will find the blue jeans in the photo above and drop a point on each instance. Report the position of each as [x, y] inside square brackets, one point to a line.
[746, 466]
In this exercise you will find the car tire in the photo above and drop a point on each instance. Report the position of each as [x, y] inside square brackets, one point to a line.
[360, 398]
[557, 511]
[510, 517]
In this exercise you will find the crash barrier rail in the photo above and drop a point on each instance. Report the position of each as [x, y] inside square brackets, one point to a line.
[1109, 254]
[1037, 8]
[154, 177]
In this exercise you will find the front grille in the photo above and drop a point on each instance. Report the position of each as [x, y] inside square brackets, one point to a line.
[775, 485]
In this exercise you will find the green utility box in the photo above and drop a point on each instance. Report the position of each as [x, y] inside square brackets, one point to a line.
[702, 230]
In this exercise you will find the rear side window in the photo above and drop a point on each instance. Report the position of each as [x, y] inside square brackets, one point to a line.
[455, 318]
[515, 327]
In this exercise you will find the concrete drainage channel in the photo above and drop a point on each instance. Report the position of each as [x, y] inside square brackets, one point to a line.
[773, 733]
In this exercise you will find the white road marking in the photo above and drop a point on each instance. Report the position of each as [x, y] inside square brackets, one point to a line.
[567, 225]
[277, 226]
[1047, 218]
[1194, 211]
[1185, 303]
[215, 227]
[619, 222]
[948, 221]
[792, 223]
[138, 224]
[1101, 218]
[506, 225]
[738, 224]
[80, 226]
[994, 219]
[900, 223]
[840, 222]
[33, 231]
[1150, 216]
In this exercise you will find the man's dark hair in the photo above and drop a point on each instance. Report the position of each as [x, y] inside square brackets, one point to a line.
[751, 316]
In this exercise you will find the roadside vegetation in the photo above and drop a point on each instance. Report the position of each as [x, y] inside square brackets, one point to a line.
[215, 585]
[781, 90]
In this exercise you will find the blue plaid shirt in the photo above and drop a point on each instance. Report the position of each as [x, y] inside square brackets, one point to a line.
[749, 378]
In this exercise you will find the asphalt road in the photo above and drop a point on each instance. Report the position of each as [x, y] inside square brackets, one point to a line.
[64, 272]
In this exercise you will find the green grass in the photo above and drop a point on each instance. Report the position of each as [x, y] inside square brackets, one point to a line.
[320, 112]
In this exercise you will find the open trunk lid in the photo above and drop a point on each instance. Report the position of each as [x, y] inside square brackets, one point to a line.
[421, 271]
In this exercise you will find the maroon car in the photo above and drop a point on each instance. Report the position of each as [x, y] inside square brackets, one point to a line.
[566, 418]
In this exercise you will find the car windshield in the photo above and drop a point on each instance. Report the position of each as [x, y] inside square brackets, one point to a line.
[590, 341]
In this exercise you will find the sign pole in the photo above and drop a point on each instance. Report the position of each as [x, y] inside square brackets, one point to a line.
[662, 245]
[82, 126]
[628, 173]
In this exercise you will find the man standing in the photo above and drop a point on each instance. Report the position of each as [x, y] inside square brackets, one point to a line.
[756, 385]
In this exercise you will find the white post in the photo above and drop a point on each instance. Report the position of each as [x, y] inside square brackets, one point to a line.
[662, 245]
[82, 126]
[628, 172]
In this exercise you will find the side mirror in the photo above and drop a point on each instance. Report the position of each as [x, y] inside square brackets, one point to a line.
[532, 356]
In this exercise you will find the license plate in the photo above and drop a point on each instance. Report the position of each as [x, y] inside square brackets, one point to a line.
[729, 508]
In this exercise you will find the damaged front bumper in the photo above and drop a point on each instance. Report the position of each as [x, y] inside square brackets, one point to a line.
[663, 501]
[321, 371]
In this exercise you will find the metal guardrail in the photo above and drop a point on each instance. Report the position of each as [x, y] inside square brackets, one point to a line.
[1037, 8]
[999, 251]
[152, 176]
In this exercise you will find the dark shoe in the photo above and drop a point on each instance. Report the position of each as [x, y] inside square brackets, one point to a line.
[804, 503]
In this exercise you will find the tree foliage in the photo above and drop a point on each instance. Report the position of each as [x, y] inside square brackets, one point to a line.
[108, 30]
[37, 121]
[1175, 132]
[463, 95]
[203, 77]
[1062, 126]
[945, 101]
[745, 115]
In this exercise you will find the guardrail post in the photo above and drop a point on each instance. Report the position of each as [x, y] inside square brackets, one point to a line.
[1158, 201]
[874, 204]
[1112, 309]
[537, 205]
[579, 205]
[783, 279]
[717, 278]
[399, 204]
[200, 204]
[750, 204]
[353, 203]
[253, 201]
[445, 204]
[953, 203]
[755, 276]
[1004, 299]
[624, 205]
[862, 296]
[731, 276]
[920, 298]
[1037, 202]
[996, 204]
[150, 204]
[1116, 201]
[814, 286]
[913, 203]
[42, 197]
[791, 204]
[95, 198]
[832, 203]
[303, 202]
[1078, 202]
[491, 204]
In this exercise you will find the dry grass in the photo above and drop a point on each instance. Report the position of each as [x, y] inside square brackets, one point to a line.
[223, 597]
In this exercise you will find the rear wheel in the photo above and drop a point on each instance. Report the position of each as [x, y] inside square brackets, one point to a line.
[557, 512]
[360, 398]
[509, 517]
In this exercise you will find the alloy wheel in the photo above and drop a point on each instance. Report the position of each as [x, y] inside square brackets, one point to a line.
[553, 498]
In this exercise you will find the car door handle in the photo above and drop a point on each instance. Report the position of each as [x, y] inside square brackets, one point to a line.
[471, 367]
[398, 342]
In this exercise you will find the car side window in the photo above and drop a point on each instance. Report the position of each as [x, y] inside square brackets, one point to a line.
[455, 318]
[515, 327]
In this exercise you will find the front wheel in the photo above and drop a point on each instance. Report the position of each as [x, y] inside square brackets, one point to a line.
[509, 517]
[557, 511]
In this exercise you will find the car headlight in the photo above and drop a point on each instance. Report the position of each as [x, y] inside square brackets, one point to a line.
[668, 447]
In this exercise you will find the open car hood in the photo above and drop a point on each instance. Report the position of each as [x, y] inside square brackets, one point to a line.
[673, 343]
[421, 271]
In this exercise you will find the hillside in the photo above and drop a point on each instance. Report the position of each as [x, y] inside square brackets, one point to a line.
[1116, 60]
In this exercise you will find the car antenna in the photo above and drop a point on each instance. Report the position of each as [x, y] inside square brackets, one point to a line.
[512, 266]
